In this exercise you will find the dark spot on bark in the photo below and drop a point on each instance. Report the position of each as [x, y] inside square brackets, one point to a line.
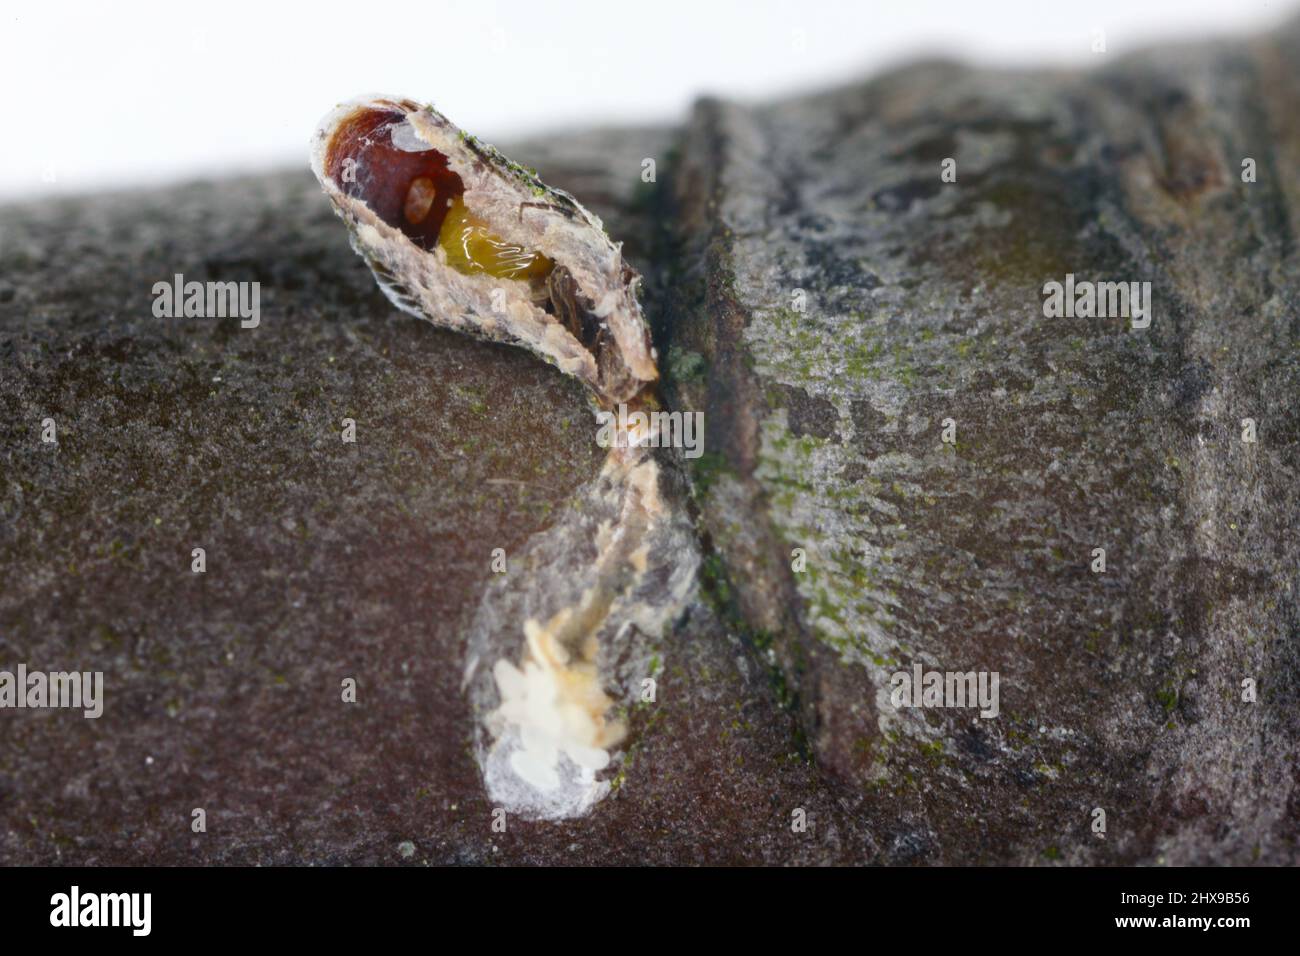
[901, 198]
[807, 414]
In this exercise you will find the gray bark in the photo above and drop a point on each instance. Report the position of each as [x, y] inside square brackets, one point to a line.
[1119, 691]
[1122, 690]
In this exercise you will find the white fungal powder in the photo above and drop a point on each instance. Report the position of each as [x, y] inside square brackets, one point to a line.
[552, 735]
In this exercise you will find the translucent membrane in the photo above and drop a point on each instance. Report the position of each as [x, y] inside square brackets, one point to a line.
[470, 247]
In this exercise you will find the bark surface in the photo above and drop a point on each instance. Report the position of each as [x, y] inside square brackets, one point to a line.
[922, 301]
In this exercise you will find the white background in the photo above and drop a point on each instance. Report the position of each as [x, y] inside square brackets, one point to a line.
[109, 94]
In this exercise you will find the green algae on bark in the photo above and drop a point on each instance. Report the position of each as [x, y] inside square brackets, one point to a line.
[851, 304]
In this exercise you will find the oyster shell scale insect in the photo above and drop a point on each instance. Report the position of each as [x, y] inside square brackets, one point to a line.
[459, 235]
[584, 317]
